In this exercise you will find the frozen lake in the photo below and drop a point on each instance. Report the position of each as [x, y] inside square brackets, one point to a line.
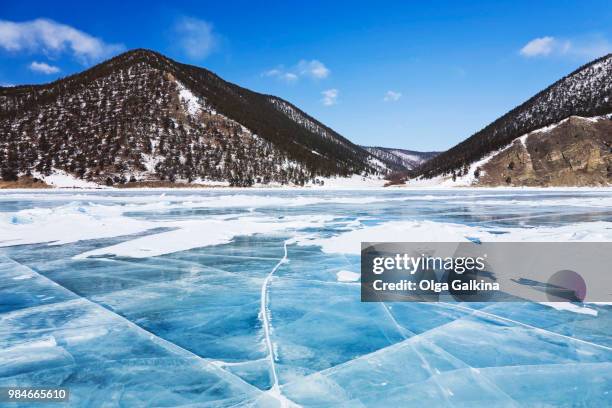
[251, 298]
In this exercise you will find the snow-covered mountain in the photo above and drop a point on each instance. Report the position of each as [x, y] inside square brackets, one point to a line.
[586, 92]
[143, 117]
[400, 159]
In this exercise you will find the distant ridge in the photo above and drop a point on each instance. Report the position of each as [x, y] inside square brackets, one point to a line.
[400, 159]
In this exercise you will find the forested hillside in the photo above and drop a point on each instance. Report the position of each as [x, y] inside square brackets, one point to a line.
[142, 116]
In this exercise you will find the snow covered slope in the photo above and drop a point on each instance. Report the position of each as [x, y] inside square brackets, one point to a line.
[400, 159]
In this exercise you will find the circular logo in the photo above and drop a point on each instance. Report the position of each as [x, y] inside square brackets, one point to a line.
[566, 285]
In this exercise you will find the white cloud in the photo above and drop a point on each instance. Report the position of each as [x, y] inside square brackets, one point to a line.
[314, 69]
[279, 73]
[330, 97]
[583, 47]
[289, 76]
[49, 37]
[196, 38]
[43, 68]
[538, 47]
[273, 72]
[392, 96]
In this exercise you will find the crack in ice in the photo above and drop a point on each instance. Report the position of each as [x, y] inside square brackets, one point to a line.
[165, 344]
[264, 315]
[538, 329]
[445, 392]
[434, 376]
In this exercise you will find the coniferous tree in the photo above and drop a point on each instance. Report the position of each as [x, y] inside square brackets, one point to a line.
[11, 164]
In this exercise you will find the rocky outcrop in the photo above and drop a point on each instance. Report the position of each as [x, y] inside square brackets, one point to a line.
[574, 152]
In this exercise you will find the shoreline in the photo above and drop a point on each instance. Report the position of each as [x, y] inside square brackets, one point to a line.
[309, 188]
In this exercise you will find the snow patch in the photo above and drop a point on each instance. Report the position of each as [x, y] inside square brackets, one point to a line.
[431, 231]
[23, 277]
[347, 276]
[201, 233]
[191, 101]
[62, 179]
[66, 224]
[571, 307]
[354, 181]
[409, 157]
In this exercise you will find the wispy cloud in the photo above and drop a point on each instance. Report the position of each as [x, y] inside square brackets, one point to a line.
[196, 38]
[280, 73]
[43, 68]
[584, 47]
[392, 96]
[314, 69]
[330, 97]
[50, 38]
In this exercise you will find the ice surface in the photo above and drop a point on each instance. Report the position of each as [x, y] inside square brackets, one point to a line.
[65, 224]
[227, 298]
[429, 231]
[72, 342]
[187, 235]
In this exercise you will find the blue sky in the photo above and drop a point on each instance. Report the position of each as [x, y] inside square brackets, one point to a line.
[416, 75]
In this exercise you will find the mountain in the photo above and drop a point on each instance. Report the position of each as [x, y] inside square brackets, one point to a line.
[399, 159]
[144, 117]
[586, 92]
[574, 152]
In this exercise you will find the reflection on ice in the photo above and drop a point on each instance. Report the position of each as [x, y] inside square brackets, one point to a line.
[133, 299]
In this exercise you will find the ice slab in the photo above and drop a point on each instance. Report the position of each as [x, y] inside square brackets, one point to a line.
[100, 356]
